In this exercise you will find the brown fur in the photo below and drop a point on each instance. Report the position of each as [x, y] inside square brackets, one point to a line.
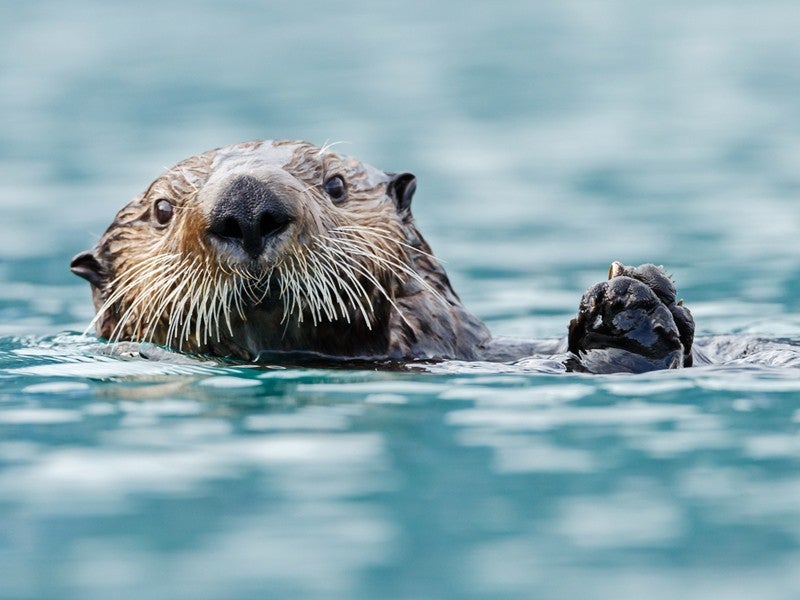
[354, 280]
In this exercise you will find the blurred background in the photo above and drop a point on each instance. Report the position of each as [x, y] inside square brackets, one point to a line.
[548, 138]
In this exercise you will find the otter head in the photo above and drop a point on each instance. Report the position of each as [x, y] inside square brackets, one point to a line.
[263, 247]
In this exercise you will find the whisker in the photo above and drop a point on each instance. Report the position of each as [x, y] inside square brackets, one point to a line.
[392, 266]
[384, 234]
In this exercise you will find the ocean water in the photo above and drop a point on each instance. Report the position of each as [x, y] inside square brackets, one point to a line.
[548, 138]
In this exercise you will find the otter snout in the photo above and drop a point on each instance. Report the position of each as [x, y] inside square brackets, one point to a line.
[248, 214]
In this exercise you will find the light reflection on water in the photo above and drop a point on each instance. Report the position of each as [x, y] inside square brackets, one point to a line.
[549, 139]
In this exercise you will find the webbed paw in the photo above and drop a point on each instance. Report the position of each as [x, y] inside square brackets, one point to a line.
[631, 323]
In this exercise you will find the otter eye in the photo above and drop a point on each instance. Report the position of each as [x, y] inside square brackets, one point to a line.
[163, 211]
[335, 188]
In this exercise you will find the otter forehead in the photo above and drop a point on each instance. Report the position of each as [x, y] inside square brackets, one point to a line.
[263, 161]
[288, 162]
[255, 156]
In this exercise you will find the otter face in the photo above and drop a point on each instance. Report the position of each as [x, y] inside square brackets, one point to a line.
[254, 247]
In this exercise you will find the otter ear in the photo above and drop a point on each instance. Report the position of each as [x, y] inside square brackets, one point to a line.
[87, 266]
[401, 188]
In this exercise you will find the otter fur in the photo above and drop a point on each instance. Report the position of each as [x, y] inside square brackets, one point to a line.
[273, 249]
[277, 247]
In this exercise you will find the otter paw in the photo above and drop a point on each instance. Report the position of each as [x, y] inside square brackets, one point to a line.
[631, 323]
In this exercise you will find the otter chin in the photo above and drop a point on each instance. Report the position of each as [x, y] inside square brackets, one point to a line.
[272, 249]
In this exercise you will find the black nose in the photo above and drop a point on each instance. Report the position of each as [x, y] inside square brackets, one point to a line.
[248, 214]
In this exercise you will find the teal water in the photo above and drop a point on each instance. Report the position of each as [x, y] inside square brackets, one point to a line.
[548, 139]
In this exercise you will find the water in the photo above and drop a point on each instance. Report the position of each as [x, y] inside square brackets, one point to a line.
[549, 139]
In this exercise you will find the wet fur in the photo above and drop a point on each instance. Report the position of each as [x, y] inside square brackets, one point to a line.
[355, 280]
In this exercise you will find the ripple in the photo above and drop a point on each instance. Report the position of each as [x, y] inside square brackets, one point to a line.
[628, 519]
[166, 407]
[505, 396]
[636, 387]
[672, 443]
[772, 446]
[227, 382]
[312, 418]
[386, 399]
[521, 454]
[56, 387]
[176, 461]
[38, 416]
[100, 369]
[399, 391]
[633, 413]
[750, 381]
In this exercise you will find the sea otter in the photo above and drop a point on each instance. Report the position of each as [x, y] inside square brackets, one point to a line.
[279, 250]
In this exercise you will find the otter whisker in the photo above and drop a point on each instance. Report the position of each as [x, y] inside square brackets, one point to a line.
[201, 312]
[176, 301]
[185, 317]
[370, 277]
[312, 301]
[189, 182]
[213, 299]
[228, 291]
[235, 290]
[357, 291]
[139, 299]
[205, 313]
[390, 264]
[181, 317]
[299, 290]
[296, 291]
[327, 287]
[328, 145]
[214, 313]
[344, 264]
[143, 271]
[369, 254]
[290, 284]
[165, 297]
[211, 307]
[384, 234]
[309, 290]
[161, 301]
[264, 285]
[176, 320]
[249, 286]
[125, 286]
[322, 285]
[312, 291]
[332, 279]
[315, 280]
[234, 303]
[403, 268]
[199, 306]
[239, 288]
